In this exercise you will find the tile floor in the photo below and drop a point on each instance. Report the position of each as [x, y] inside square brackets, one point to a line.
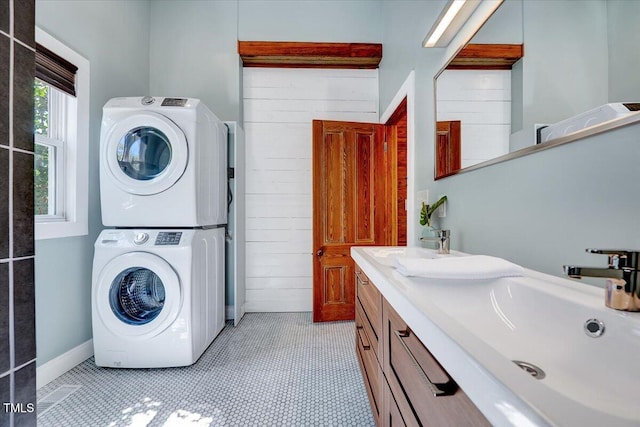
[273, 369]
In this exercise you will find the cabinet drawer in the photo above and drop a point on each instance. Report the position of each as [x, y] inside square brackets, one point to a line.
[371, 370]
[424, 392]
[390, 416]
[365, 323]
[371, 301]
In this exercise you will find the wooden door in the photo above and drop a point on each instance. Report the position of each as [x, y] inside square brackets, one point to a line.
[349, 200]
[448, 151]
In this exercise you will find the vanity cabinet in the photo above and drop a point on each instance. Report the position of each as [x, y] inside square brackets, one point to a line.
[368, 343]
[406, 384]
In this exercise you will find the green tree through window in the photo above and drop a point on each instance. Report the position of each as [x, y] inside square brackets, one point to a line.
[41, 159]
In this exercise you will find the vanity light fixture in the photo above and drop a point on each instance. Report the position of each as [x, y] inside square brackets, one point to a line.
[453, 16]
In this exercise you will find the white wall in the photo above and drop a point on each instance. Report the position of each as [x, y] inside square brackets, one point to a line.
[481, 100]
[541, 210]
[279, 106]
[114, 37]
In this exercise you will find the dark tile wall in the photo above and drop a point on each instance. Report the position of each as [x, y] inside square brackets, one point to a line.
[17, 302]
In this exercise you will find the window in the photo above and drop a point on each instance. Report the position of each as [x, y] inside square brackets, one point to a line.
[61, 128]
[50, 116]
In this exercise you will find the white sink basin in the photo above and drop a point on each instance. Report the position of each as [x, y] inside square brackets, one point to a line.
[385, 255]
[478, 328]
[539, 322]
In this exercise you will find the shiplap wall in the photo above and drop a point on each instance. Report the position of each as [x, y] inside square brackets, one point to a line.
[481, 100]
[279, 105]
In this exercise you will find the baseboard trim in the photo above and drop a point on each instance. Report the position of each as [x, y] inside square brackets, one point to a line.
[61, 364]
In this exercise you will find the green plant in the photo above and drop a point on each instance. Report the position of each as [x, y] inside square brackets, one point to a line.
[427, 210]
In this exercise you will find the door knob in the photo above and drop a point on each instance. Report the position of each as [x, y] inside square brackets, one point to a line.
[320, 252]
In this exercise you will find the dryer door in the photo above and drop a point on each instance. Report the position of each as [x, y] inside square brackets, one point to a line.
[145, 153]
[138, 294]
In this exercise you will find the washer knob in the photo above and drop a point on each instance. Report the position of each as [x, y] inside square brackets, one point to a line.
[148, 100]
[140, 238]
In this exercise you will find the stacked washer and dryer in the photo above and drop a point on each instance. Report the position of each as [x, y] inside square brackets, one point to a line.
[158, 277]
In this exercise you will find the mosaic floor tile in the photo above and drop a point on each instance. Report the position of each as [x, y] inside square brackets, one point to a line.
[273, 369]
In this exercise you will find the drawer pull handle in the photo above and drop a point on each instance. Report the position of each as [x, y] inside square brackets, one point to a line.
[438, 389]
[359, 330]
[362, 279]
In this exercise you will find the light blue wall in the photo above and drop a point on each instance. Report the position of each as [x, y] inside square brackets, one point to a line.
[114, 37]
[540, 210]
[504, 26]
[193, 53]
[624, 54]
[565, 61]
[310, 21]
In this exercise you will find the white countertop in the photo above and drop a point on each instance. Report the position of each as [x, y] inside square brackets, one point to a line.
[505, 394]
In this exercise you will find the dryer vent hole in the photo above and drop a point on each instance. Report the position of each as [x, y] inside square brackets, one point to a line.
[530, 369]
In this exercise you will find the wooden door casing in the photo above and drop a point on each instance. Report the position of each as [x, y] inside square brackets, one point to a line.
[349, 202]
[396, 137]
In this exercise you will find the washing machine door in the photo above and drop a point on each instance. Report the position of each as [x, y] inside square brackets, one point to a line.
[138, 294]
[145, 153]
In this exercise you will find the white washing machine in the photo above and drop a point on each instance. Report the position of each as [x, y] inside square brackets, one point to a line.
[162, 163]
[157, 296]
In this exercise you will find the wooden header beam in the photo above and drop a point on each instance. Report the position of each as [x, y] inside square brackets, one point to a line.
[487, 57]
[309, 55]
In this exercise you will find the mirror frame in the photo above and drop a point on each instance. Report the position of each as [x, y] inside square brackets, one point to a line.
[572, 137]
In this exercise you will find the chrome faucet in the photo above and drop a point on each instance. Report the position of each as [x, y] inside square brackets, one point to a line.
[623, 291]
[442, 238]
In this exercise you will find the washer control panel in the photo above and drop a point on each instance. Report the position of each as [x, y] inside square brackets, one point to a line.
[168, 238]
[174, 102]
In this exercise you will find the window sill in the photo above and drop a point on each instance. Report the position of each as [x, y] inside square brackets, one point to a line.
[59, 229]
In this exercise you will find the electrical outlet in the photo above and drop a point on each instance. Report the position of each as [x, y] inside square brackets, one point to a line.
[442, 210]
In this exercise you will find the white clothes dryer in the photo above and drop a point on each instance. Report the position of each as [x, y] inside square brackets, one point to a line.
[162, 163]
[157, 296]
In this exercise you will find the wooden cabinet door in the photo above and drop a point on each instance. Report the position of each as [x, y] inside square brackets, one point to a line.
[412, 373]
[349, 200]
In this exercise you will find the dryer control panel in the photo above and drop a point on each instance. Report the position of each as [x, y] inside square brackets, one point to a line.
[168, 238]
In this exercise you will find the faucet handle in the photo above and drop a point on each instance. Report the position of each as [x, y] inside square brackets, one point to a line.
[620, 252]
[618, 257]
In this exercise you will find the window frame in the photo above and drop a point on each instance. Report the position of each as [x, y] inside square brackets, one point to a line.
[56, 178]
[75, 154]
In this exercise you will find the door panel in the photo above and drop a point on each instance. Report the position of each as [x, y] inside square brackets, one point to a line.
[334, 188]
[448, 148]
[363, 215]
[349, 197]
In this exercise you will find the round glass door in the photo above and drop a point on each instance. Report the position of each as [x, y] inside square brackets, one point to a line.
[137, 296]
[143, 153]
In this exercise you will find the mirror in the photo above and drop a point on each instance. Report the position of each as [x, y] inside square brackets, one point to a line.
[578, 55]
